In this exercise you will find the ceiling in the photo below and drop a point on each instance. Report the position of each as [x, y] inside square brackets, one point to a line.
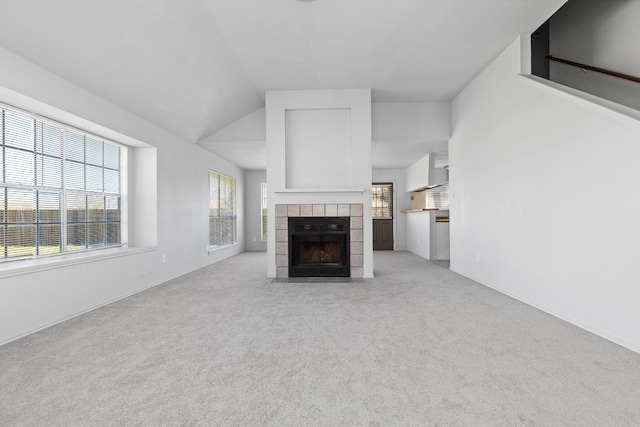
[194, 67]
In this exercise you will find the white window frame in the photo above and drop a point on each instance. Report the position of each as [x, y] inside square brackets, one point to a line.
[64, 192]
[215, 199]
[263, 212]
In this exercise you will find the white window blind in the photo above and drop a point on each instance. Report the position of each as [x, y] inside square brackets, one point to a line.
[263, 210]
[60, 188]
[222, 210]
[438, 197]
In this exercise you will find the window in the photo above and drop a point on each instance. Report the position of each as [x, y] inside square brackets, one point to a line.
[438, 197]
[382, 201]
[60, 188]
[222, 210]
[263, 211]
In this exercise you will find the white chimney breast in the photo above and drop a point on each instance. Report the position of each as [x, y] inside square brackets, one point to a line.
[319, 157]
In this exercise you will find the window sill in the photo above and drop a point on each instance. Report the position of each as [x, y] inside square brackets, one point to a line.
[213, 249]
[19, 267]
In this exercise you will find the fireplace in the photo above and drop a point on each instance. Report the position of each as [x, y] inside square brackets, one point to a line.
[319, 247]
[350, 213]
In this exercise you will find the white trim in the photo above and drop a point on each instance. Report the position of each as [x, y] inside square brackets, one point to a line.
[621, 114]
[62, 190]
[94, 307]
[234, 181]
[213, 249]
[26, 104]
[21, 266]
[581, 325]
[58, 123]
[320, 190]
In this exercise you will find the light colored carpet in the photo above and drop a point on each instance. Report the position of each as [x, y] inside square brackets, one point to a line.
[417, 345]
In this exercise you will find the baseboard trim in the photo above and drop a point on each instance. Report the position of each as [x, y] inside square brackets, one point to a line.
[90, 309]
[609, 337]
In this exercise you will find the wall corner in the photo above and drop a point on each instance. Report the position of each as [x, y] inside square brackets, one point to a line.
[525, 53]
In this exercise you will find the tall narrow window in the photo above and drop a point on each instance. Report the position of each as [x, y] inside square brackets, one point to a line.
[263, 211]
[382, 201]
[222, 210]
[59, 189]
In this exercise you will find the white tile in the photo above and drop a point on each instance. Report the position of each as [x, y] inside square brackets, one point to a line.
[356, 222]
[293, 210]
[356, 260]
[331, 210]
[356, 209]
[356, 248]
[356, 235]
[282, 261]
[282, 223]
[318, 210]
[344, 210]
[282, 248]
[281, 210]
[306, 210]
[282, 236]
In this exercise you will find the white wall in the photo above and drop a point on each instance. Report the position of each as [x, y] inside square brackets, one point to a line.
[603, 34]
[253, 212]
[401, 201]
[401, 129]
[420, 173]
[441, 237]
[429, 121]
[420, 234]
[282, 190]
[48, 294]
[439, 176]
[532, 213]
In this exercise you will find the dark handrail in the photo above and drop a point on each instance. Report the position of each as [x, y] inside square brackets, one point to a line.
[596, 69]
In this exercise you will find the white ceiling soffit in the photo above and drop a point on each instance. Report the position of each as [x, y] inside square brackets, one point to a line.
[243, 142]
[193, 67]
[401, 132]
[400, 153]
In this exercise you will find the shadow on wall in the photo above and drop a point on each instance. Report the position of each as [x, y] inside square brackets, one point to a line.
[591, 46]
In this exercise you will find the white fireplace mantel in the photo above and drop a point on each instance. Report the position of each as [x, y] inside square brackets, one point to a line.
[319, 190]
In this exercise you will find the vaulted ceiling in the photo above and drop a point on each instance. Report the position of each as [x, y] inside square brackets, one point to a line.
[193, 67]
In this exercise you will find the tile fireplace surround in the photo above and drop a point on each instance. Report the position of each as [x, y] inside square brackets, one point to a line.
[353, 211]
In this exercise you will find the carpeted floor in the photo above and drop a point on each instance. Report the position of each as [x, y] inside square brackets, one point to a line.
[417, 345]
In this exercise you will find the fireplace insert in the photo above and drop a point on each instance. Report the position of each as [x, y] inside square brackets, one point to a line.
[319, 247]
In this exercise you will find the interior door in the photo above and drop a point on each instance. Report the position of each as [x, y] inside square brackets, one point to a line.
[382, 213]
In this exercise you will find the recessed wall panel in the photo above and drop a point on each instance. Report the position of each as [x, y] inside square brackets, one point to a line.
[318, 147]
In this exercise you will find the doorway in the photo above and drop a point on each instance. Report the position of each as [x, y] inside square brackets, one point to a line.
[382, 213]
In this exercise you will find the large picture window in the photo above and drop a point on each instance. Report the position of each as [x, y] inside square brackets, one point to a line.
[59, 189]
[222, 210]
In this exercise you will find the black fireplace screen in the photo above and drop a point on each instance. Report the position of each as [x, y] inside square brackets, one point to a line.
[319, 247]
[318, 251]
